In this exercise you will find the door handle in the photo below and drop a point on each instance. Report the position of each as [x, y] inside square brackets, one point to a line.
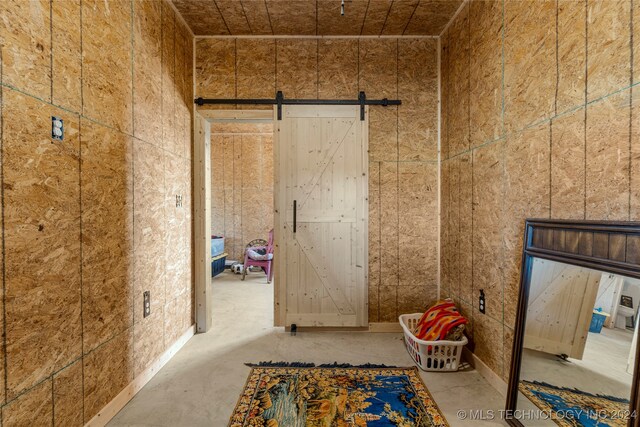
[295, 208]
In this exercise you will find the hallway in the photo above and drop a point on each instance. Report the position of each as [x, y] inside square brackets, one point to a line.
[201, 384]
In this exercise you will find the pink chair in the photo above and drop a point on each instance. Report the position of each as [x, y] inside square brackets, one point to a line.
[265, 264]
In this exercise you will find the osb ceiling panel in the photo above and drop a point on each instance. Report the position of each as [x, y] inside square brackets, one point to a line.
[317, 17]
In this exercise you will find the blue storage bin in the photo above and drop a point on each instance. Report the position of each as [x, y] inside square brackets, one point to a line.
[217, 245]
[597, 321]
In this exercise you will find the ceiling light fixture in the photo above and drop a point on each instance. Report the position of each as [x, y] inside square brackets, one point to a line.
[342, 8]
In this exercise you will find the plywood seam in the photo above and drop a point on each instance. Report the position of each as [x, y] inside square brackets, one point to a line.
[404, 30]
[319, 36]
[221, 16]
[266, 6]
[631, 54]
[586, 97]
[133, 61]
[51, 49]
[4, 266]
[81, 268]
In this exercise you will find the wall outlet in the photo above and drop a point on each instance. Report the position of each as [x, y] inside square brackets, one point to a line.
[481, 302]
[147, 303]
[178, 200]
[57, 128]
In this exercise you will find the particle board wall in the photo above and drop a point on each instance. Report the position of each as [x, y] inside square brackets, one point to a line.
[241, 184]
[403, 141]
[91, 222]
[553, 110]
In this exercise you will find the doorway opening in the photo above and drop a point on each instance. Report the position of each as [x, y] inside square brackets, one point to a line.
[242, 210]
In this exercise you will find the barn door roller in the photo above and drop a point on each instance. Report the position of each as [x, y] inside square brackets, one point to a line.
[280, 100]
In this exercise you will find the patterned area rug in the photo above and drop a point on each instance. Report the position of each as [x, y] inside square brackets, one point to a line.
[572, 407]
[341, 397]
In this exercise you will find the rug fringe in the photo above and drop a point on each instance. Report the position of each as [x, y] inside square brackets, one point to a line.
[271, 364]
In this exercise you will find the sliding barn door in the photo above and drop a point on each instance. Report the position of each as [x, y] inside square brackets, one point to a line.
[561, 300]
[321, 217]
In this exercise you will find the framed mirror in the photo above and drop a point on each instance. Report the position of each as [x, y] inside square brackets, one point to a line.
[575, 355]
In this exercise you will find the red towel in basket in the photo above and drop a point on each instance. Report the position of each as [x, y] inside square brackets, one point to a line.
[438, 320]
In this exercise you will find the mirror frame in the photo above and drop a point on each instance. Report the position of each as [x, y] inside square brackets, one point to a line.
[609, 246]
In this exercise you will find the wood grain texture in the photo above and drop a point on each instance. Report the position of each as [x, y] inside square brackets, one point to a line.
[169, 80]
[488, 227]
[526, 195]
[465, 238]
[34, 408]
[293, 17]
[378, 68]
[148, 76]
[337, 69]
[106, 84]
[107, 370]
[202, 16]
[177, 253]
[458, 126]
[148, 339]
[568, 166]
[107, 219]
[445, 251]
[488, 335]
[375, 17]
[389, 253]
[607, 154]
[256, 69]
[431, 16]
[418, 265]
[66, 54]
[609, 47]
[529, 54]
[398, 16]
[417, 116]
[67, 396]
[635, 157]
[297, 68]
[572, 54]
[26, 52]
[149, 227]
[330, 22]
[485, 71]
[215, 68]
[257, 16]
[445, 81]
[233, 13]
[42, 241]
[374, 241]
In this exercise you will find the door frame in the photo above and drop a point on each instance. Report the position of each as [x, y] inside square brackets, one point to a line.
[202, 204]
[280, 286]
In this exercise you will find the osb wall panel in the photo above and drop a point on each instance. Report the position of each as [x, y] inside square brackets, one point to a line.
[107, 218]
[337, 68]
[402, 141]
[458, 126]
[552, 135]
[529, 54]
[42, 242]
[66, 58]
[148, 75]
[609, 46]
[242, 184]
[485, 71]
[69, 212]
[26, 46]
[106, 39]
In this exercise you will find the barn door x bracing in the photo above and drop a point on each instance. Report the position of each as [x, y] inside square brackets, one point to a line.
[321, 216]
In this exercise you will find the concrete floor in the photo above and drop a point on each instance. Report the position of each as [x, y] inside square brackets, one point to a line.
[201, 384]
[602, 369]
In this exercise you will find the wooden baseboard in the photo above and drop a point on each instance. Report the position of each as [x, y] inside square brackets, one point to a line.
[492, 378]
[385, 327]
[112, 408]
